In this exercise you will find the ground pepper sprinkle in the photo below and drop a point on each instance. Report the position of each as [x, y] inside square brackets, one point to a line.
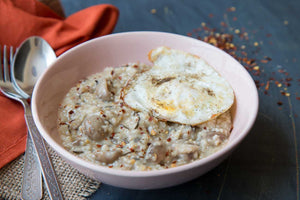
[235, 41]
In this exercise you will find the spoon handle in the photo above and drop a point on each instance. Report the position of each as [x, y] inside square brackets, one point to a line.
[32, 179]
[44, 159]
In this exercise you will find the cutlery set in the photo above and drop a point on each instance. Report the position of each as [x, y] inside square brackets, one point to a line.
[17, 83]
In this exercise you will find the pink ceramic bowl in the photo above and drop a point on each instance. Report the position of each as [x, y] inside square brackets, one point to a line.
[115, 50]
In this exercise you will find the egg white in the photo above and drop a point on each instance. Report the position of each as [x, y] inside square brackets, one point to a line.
[180, 88]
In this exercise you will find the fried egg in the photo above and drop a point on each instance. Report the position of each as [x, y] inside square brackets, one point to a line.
[180, 87]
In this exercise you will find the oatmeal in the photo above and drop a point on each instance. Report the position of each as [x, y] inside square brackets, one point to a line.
[95, 124]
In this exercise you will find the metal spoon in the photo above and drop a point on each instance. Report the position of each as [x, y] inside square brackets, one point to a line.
[30, 61]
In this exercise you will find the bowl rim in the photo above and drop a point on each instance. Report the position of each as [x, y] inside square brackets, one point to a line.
[128, 173]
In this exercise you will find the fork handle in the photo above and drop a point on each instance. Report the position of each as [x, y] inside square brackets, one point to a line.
[44, 159]
[32, 179]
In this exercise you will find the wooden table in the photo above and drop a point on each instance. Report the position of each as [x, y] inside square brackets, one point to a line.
[266, 35]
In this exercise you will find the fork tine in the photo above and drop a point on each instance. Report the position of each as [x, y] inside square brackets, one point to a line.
[11, 60]
[1, 74]
[5, 65]
[11, 55]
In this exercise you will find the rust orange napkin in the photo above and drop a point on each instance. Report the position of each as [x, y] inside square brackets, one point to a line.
[20, 19]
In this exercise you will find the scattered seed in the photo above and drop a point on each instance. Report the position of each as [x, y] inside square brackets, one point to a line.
[256, 68]
[153, 11]
[231, 9]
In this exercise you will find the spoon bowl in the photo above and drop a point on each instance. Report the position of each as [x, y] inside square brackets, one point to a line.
[31, 59]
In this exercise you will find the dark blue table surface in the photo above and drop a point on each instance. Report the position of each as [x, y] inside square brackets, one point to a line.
[266, 164]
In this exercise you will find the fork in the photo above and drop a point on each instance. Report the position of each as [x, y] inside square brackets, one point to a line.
[31, 182]
[7, 88]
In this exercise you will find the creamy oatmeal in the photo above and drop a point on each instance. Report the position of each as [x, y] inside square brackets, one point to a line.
[96, 125]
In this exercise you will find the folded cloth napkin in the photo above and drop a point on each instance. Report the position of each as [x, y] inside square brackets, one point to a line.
[20, 19]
